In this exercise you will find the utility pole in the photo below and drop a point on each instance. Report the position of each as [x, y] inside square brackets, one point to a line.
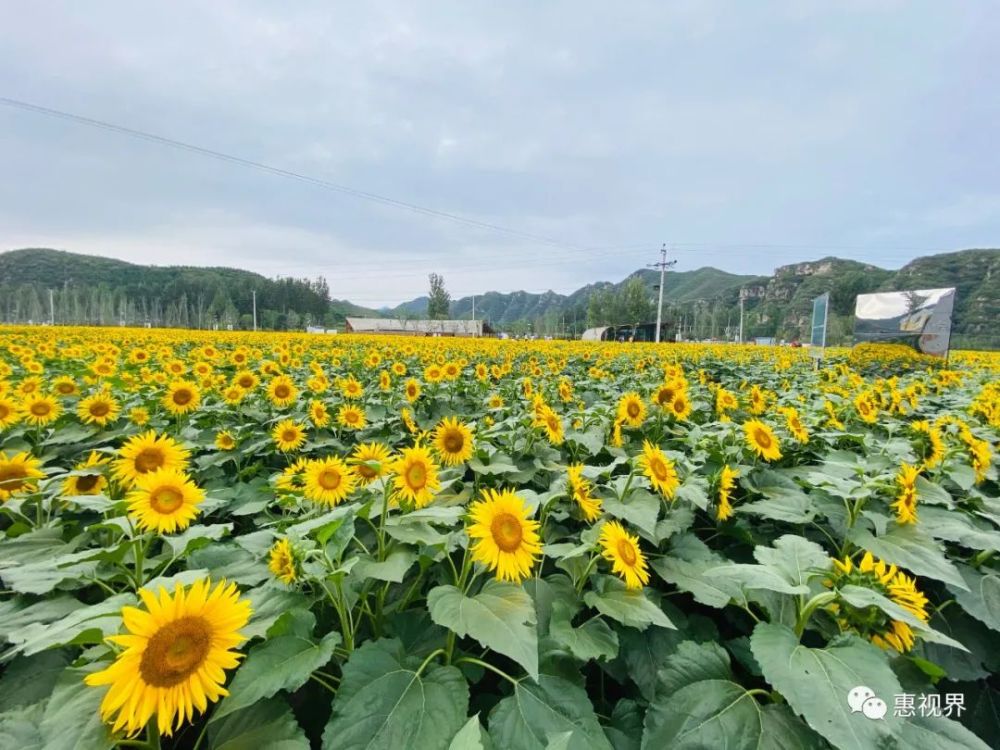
[474, 314]
[743, 297]
[52, 309]
[663, 265]
[255, 309]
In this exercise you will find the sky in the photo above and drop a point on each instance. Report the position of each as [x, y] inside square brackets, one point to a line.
[744, 135]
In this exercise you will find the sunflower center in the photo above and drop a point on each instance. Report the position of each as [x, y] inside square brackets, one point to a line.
[166, 499]
[12, 478]
[4, 411]
[329, 479]
[182, 397]
[553, 423]
[99, 409]
[282, 391]
[506, 531]
[245, 382]
[416, 476]
[150, 459]
[351, 417]
[633, 409]
[679, 405]
[87, 483]
[176, 651]
[366, 471]
[454, 441]
[658, 468]
[665, 396]
[627, 552]
[762, 438]
[289, 436]
[64, 388]
[40, 409]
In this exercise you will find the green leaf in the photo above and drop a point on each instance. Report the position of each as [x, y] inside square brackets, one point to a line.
[196, 536]
[393, 568]
[471, 736]
[783, 730]
[644, 653]
[19, 729]
[706, 714]
[755, 577]
[796, 558]
[939, 733]
[501, 617]
[817, 681]
[630, 608]
[280, 663]
[982, 600]
[72, 717]
[43, 576]
[860, 597]
[909, 548]
[383, 703]
[640, 509]
[17, 613]
[232, 562]
[29, 679]
[269, 724]
[269, 602]
[955, 526]
[84, 625]
[592, 639]
[932, 494]
[685, 569]
[526, 719]
[677, 518]
[693, 662]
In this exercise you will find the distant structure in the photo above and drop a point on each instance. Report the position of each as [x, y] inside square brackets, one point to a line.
[396, 327]
[630, 333]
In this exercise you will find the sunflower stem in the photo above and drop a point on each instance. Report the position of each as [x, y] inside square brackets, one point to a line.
[586, 574]
[485, 665]
[430, 657]
[153, 734]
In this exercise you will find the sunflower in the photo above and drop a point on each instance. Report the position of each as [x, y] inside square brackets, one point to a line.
[680, 407]
[138, 416]
[727, 481]
[182, 397]
[165, 501]
[906, 496]
[18, 474]
[506, 540]
[762, 440]
[351, 388]
[292, 478]
[631, 409]
[616, 434]
[481, 371]
[871, 622]
[64, 385]
[318, 414]
[495, 401]
[758, 400]
[565, 391]
[622, 550]
[725, 402]
[866, 407]
[452, 370]
[384, 380]
[794, 423]
[416, 476]
[433, 374]
[580, 489]
[288, 435]
[328, 480]
[453, 441]
[92, 483]
[366, 454]
[551, 422]
[407, 416]
[659, 469]
[832, 419]
[282, 391]
[175, 655]
[246, 380]
[224, 440]
[412, 390]
[146, 453]
[39, 410]
[283, 561]
[934, 444]
[8, 413]
[100, 409]
[351, 417]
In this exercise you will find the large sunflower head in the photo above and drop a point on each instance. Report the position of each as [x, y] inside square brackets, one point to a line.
[906, 496]
[18, 473]
[318, 413]
[412, 390]
[453, 441]
[164, 501]
[680, 407]
[631, 409]
[64, 385]
[225, 440]
[284, 561]
[762, 440]
[288, 435]
[550, 421]
[176, 651]
[659, 469]
[146, 453]
[621, 549]
[352, 417]
[370, 461]
[91, 483]
[416, 476]
[351, 388]
[872, 622]
[246, 379]
[725, 401]
[100, 409]
[182, 397]
[9, 414]
[580, 490]
[329, 480]
[282, 391]
[505, 539]
[39, 410]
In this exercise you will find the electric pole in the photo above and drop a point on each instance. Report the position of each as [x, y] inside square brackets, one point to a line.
[474, 315]
[52, 310]
[663, 265]
[255, 309]
[743, 297]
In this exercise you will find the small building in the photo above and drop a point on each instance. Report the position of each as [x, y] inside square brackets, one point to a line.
[630, 333]
[398, 327]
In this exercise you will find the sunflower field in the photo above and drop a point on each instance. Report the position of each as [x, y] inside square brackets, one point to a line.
[233, 540]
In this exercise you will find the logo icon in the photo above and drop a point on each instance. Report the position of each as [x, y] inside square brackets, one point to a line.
[863, 700]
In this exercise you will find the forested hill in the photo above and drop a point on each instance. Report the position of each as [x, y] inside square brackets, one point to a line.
[88, 289]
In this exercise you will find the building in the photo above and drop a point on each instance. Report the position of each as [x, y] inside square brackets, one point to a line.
[630, 333]
[397, 327]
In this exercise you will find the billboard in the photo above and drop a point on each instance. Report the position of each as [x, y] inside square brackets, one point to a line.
[821, 306]
[920, 318]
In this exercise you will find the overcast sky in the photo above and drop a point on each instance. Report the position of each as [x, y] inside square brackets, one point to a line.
[745, 135]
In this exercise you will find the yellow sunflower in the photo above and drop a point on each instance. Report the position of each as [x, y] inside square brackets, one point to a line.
[182, 397]
[794, 423]
[282, 391]
[631, 409]
[416, 478]
[39, 410]
[351, 417]
[727, 482]
[138, 416]
[659, 469]
[100, 409]
[552, 423]
[412, 390]
[8, 413]
[506, 540]
[351, 388]
[495, 401]
[725, 401]
[866, 407]
[288, 435]
[580, 490]
[621, 549]
[283, 562]
[18, 473]
[224, 440]
[680, 407]
[328, 480]
[453, 441]
[366, 454]
[175, 655]
[64, 385]
[164, 501]
[146, 453]
[318, 414]
[762, 440]
[246, 380]
[906, 497]
[92, 483]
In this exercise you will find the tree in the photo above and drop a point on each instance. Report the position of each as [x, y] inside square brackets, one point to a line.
[440, 300]
[637, 307]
